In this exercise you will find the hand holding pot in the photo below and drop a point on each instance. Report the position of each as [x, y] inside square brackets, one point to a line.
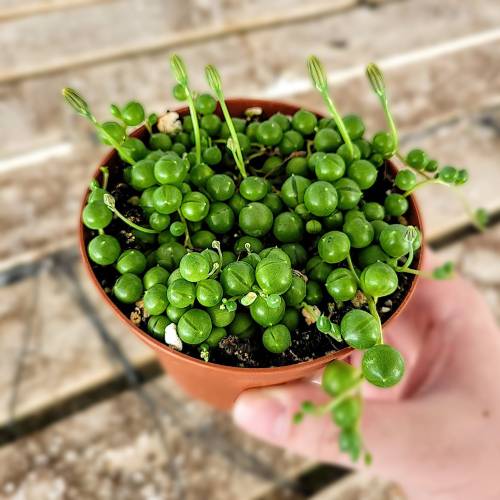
[437, 432]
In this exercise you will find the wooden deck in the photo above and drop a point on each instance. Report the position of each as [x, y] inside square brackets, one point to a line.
[85, 411]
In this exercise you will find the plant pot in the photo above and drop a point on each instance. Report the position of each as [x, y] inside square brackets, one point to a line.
[219, 385]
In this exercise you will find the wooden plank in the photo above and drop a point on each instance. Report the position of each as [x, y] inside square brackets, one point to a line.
[251, 64]
[11, 11]
[48, 199]
[50, 346]
[116, 450]
[85, 37]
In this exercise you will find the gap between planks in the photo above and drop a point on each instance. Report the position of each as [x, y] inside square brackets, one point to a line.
[286, 88]
[189, 37]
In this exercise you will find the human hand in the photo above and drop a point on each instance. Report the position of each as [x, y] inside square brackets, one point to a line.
[438, 432]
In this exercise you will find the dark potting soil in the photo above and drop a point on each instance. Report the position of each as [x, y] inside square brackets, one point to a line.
[307, 342]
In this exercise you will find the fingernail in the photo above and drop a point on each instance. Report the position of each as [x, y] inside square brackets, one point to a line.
[262, 412]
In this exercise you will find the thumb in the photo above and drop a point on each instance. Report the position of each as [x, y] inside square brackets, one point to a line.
[267, 414]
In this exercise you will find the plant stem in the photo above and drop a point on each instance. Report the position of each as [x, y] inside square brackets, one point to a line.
[351, 267]
[376, 79]
[420, 172]
[465, 203]
[180, 74]
[105, 177]
[309, 144]
[187, 238]
[196, 125]
[390, 121]
[78, 103]
[216, 246]
[277, 167]
[133, 224]
[421, 184]
[372, 305]
[409, 259]
[320, 410]
[318, 77]
[467, 207]
[215, 269]
[338, 120]
[109, 201]
[256, 155]
[215, 83]
[413, 271]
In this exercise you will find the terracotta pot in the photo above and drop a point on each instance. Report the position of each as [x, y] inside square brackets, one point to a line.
[216, 384]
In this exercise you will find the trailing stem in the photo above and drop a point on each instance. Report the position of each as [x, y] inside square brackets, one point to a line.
[109, 201]
[76, 101]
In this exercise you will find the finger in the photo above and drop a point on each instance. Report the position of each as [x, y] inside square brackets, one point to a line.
[267, 414]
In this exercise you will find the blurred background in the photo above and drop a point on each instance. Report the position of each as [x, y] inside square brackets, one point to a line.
[85, 412]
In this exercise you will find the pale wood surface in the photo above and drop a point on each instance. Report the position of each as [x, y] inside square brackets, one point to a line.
[114, 450]
[69, 37]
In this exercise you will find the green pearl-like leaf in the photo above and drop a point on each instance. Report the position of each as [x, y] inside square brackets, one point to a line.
[273, 301]
[360, 329]
[481, 217]
[383, 366]
[443, 272]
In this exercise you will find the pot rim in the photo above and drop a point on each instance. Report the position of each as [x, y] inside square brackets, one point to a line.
[163, 348]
